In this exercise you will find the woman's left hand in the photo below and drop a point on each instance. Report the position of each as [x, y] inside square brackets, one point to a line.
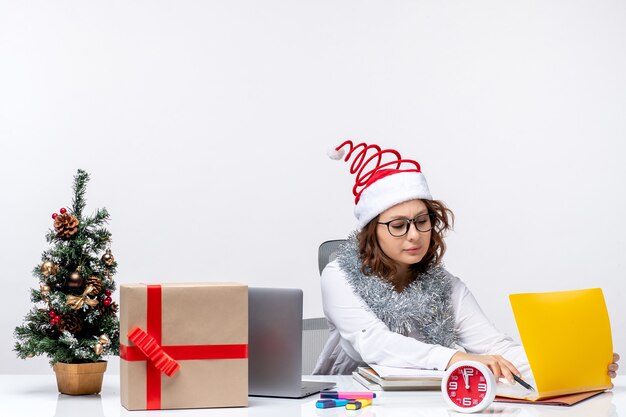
[614, 366]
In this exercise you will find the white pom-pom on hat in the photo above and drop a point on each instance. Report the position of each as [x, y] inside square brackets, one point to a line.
[336, 154]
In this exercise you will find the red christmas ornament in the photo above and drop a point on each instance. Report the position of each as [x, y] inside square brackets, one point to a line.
[108, 293]
[107, 301]
[52, 322]
[57, 319]
[54, 216]
[52, 314]
[62, 210]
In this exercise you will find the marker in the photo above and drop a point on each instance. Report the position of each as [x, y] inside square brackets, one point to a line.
[522, 383]
[358, 404]
[330, 403]
[347, 395]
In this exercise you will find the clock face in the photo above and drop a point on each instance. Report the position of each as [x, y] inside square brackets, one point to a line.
[468, 386]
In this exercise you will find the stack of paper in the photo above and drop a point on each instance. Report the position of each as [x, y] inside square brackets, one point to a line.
[378, 377]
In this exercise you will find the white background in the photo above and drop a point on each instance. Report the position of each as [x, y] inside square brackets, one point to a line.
[204, 126]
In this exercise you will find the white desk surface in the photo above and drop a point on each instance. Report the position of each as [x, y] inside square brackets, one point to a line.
[36, 395]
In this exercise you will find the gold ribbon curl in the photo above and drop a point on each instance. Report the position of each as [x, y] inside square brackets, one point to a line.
[75, 302]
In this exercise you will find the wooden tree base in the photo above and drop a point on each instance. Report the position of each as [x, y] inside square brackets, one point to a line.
[79, 378]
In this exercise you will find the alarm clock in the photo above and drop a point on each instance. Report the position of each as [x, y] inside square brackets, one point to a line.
[468, 386]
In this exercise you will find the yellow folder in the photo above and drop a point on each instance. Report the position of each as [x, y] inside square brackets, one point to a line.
[567, 338]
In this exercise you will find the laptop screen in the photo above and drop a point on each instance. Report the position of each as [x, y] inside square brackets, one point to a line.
[274, 340]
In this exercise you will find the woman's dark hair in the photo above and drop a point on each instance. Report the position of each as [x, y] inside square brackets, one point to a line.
[375, 262]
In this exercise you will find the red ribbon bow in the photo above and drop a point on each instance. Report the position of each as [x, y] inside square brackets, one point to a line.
[149, 346]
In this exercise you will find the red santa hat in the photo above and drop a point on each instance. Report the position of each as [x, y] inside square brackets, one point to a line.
[383, 179]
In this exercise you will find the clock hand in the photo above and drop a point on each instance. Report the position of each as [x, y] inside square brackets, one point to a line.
[465, 378]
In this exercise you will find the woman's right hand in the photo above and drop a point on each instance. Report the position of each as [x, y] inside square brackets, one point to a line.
[498, 365]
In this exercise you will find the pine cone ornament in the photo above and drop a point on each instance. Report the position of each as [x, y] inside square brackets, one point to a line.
[96, 283]
[71, 323]
[65, 225]
[110, 309]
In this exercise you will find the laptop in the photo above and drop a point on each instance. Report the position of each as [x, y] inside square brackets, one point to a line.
[275, 345]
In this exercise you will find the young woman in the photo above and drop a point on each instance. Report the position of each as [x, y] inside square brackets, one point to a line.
[387, 298]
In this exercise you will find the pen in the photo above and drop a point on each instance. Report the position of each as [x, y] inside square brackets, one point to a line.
[347, 395]
[358, 404]
[522, 383]
[330, 403]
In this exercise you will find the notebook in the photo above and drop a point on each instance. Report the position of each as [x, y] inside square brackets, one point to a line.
[376, 377]
[275, 344]
[567, 338]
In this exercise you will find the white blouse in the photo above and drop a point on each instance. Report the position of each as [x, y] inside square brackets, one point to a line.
[358, 336]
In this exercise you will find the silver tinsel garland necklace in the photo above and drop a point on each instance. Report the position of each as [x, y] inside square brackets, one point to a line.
[424, 306]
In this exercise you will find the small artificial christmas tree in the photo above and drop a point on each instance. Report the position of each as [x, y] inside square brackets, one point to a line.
[74, 319]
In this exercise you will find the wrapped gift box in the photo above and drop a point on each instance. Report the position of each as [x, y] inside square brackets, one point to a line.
[197, 333]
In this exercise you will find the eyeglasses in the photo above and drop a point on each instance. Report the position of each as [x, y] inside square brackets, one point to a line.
[400, 227]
